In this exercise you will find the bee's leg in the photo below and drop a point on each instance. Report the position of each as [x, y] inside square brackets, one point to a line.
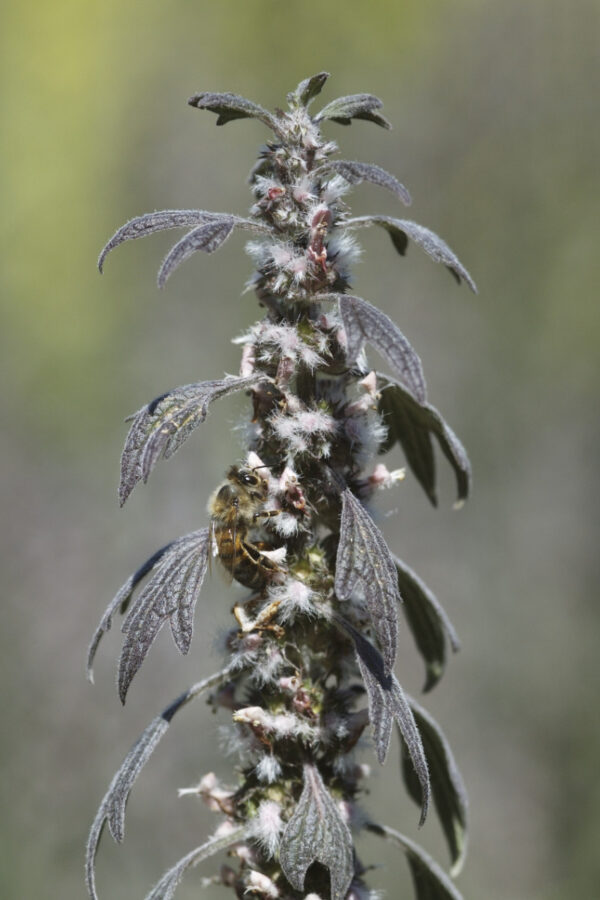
[263, 621]
[263, 563]
[266, 514]
[244, 621]
[267, 613]
[251, 552]
[261, 558]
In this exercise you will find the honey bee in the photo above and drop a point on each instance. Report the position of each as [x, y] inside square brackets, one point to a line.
[236, 508]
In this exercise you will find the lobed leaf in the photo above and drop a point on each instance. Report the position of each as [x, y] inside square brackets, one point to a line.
[363, 322]
[429, 623]
[357, 172]
[166, 887]
[387, 703]
[447, 787]
[112, 808]
[400, 230]
[429, 880]
[211, 231]
[161, 427]
[229, 106]
[208, 237]
[119, 603]
[378, 688]
[412, 424]
[364, 560]
[316, 832]
[309, 88]
[150, 223]
[170, 594]
[354, 106]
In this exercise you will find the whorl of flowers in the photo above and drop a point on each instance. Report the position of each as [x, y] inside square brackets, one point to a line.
[316, 631]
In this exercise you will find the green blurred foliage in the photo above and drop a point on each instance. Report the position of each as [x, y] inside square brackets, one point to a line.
[497, 135]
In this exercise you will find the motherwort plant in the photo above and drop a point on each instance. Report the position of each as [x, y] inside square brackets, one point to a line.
[311, 655]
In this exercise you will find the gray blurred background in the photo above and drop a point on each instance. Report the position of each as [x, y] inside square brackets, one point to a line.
[496, 133]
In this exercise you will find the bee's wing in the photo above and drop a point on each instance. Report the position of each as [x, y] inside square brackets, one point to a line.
[227, 567]
[233, 533]
[214, 549]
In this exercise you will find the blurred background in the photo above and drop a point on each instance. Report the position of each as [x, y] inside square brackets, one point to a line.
[497, 135]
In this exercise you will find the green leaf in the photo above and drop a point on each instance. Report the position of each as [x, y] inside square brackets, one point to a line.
[364, 559]
[357, 172]
[430, 626]
[112, 808]
[212, 229]
[207, 237]
[400, 230]
[364, 322]
[354, 106]
[316, 832]
[430, 881]
[387, 702]
[120, 603]
[412, 424]
[150, 223]
[170, 595]
[161, 427]
[447, 787]
[166, 887]
[308, 89]
[229, 106]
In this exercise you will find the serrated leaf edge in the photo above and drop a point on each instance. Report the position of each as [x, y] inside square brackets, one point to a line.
[315, 794]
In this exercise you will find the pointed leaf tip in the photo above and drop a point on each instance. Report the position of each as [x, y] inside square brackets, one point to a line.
[400, 230]
[229, 107]
[171, 594]
[428, 622]
[309, 88]
[150, 223]
[112, 808]
[354, 106]
[387, 702]
[447, 786]
[357, 172]
[119, 603]
[165, 888]
[412, 424]
[207, 237]
[364, 322]
[161, 427]
[429, 879]
[210, 230]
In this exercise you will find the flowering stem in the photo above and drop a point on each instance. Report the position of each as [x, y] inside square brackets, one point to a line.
[318, 625]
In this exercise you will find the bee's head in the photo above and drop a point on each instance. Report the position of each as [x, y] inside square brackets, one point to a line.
[250, 481]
